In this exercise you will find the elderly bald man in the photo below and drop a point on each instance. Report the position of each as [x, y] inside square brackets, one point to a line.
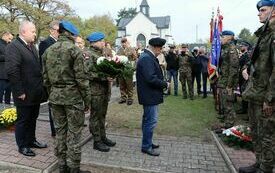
[25, 74]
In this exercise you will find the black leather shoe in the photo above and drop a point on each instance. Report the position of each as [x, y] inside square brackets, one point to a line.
[100, 146]
[109, 142]
[151, 152]
[154, 146]
[249, 169]
[37, 144]
[26, 151]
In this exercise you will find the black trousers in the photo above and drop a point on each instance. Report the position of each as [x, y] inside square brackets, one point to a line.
[204, 82]
[26, 124]
[197, 75]
[5, 91]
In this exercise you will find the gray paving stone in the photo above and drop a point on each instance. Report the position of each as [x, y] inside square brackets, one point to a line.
[185, 155]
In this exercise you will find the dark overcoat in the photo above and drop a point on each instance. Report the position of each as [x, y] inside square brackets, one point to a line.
[150, 83]
[24, 72]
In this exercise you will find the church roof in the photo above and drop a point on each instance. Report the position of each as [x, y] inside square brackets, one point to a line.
[161, 22]
[123, 22]
[144, 3]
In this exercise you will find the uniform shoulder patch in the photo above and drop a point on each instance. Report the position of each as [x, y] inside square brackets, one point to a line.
[85, 56]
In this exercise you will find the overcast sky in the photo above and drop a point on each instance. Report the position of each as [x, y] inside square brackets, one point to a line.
[185, 14]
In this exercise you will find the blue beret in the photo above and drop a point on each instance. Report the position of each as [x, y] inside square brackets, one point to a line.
[227, 32]
[157, 42]
[68, 26]
[265, 3]
[95, 36]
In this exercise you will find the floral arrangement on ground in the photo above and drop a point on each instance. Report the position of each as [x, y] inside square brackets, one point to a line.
[238, 137]
[114, 66]
[8, 117]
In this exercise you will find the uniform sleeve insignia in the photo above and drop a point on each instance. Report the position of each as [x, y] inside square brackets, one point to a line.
[85, 56]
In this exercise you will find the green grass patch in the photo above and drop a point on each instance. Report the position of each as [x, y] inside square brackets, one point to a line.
[177, 117]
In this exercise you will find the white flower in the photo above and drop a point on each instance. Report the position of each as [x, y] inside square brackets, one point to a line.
[227, 132]
[99, 60]
[123, 59]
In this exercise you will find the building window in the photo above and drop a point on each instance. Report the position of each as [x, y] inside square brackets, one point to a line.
[141, 39]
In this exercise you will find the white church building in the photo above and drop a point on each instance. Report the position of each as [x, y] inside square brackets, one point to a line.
[142, 27]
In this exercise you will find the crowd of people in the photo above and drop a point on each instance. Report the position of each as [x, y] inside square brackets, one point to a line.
[63, 72]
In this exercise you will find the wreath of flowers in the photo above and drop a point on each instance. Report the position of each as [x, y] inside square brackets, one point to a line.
[238, 136]
[114, 66]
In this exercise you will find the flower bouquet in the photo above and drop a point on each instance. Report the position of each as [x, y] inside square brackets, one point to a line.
[112, 66]
[238, 136]
[8, 117]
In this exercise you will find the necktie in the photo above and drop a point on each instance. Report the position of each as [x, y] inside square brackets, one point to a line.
[29, 46]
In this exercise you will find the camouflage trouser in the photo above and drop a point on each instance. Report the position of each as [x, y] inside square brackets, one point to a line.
[126, 88]
[68, 122]
[227, 102]
[99, 105]
[263, 136]
[221, 102]
[186, 78]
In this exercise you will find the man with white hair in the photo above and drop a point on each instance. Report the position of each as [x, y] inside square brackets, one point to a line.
[25, 74]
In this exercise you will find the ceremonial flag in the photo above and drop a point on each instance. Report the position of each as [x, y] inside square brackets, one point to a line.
[215, 46]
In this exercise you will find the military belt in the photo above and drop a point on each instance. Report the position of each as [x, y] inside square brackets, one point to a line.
[62, 86]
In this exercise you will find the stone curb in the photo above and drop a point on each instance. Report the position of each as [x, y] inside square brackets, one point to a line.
[224, 154]
[12, 165]
[123, 168]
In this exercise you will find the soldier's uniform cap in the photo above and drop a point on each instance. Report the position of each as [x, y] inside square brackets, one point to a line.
[184, 45]
[262, 3]
[157, 42]
[245, 43]
[95, 36]
[68, 26]
[227, 32]
[172, 46]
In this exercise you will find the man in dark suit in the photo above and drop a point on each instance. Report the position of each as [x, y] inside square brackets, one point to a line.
[150, 85]
[24, 72]
[5, 89]
[45, 44]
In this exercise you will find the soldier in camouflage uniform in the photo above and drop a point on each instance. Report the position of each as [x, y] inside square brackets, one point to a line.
[260, 92]
[126, 84]
[185, 72]
[228, 80]
[100, 90]
[69, 96]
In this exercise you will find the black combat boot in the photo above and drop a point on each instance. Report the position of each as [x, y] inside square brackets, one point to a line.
[249, 169]
[77, 170]
[100, 146]
[63, 169]
[108, 142]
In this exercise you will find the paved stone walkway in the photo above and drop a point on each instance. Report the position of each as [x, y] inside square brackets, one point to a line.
[187, 155]
[241, 157]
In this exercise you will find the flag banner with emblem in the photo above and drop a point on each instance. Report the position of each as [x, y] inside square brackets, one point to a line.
[216, 28]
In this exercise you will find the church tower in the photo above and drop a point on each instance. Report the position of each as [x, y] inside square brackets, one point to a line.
[144, 8]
